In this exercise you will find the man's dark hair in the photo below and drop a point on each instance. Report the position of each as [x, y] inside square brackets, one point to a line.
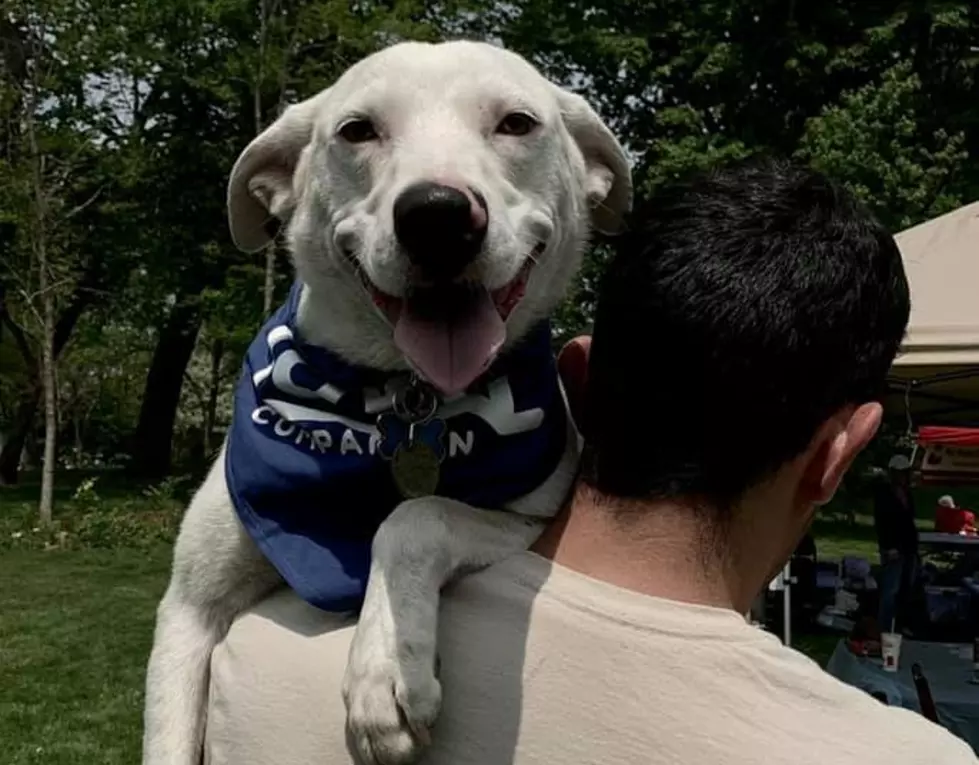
[740, 312]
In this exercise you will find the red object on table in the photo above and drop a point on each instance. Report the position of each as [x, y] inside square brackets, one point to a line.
[952, 520]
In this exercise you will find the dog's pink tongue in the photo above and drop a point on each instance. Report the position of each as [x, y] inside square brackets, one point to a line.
[452, 353]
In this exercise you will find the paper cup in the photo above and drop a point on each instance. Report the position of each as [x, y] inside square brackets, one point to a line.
[890, 650]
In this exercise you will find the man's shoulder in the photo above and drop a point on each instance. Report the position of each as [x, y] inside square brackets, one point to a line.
[856, 722]
[583, 637]
[912, 739]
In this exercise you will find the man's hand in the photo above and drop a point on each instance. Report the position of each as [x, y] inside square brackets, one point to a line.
[572, 365]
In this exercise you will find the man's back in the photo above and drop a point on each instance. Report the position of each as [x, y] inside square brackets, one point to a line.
[543, 665]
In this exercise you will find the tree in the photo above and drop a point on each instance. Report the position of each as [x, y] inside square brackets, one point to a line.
[149, 103]
[874, 142]
[86, 175]
[45, 153]
[41, 248]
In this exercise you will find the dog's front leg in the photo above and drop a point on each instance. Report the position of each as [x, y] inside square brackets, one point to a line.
[217, 573]
[190, 623]
[176, 680]
[390, 688]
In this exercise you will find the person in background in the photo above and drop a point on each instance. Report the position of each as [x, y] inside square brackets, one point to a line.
[950, 519]
[897, 542]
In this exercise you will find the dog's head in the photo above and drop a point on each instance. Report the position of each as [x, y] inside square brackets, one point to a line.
[438, 198]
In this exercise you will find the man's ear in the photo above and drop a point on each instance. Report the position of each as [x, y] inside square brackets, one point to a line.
[837, 445]
[609, 181]
[261, 182]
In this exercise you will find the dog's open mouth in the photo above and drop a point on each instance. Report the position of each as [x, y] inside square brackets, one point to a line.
[451, 333]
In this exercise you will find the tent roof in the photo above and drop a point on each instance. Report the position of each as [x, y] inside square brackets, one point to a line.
[941, 258]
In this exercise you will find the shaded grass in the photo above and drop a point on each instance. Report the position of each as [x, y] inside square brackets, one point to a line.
[836, 537]
[75, 633]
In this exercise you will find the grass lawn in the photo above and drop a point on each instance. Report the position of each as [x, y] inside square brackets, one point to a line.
[836, 538]
[76, 624]
[75, 631]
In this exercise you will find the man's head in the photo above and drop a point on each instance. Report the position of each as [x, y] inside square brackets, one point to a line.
[899, 470]
[742, 339]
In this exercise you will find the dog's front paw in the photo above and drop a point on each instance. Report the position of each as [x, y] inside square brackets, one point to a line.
[391, 708]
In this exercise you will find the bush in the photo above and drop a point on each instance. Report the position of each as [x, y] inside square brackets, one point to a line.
[87, 521]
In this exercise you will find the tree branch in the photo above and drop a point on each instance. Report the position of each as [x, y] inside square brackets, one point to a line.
[79, 208]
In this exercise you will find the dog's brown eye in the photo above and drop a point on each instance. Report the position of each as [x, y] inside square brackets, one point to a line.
[516, 123]
[358, 131]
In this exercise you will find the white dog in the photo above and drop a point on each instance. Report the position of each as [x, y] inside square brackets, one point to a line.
[437, 200]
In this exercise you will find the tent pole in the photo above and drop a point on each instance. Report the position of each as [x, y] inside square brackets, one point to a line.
[787, 603]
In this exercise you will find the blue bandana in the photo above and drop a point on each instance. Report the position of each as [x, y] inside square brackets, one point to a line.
[309, 471]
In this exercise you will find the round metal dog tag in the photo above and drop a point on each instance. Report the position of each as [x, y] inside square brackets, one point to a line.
[415, 468]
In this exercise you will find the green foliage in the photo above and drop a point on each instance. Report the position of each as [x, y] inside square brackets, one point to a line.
[147, 105]
[573, 317]
[874, 141]
[131, 520]
[690, 148]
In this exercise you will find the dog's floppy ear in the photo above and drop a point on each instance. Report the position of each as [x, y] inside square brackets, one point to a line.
[261, 182]
[609, 176]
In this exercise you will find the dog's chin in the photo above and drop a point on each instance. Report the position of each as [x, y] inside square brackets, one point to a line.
[450, 333]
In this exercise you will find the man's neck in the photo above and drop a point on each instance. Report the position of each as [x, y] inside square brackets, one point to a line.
[659, 549]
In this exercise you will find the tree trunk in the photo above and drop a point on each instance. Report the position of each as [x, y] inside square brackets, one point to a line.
[32, 454]
[214, 386]
[269, 290]
[161, 396]
[39, 242]
[13, 449]
[50, 406]
[267, 9]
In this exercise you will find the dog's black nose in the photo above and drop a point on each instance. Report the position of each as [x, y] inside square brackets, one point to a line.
[441, 228]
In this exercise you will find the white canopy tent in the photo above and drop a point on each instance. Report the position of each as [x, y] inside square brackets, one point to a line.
[935, 379]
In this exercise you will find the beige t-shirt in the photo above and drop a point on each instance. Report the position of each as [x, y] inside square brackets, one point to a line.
[543, 666]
